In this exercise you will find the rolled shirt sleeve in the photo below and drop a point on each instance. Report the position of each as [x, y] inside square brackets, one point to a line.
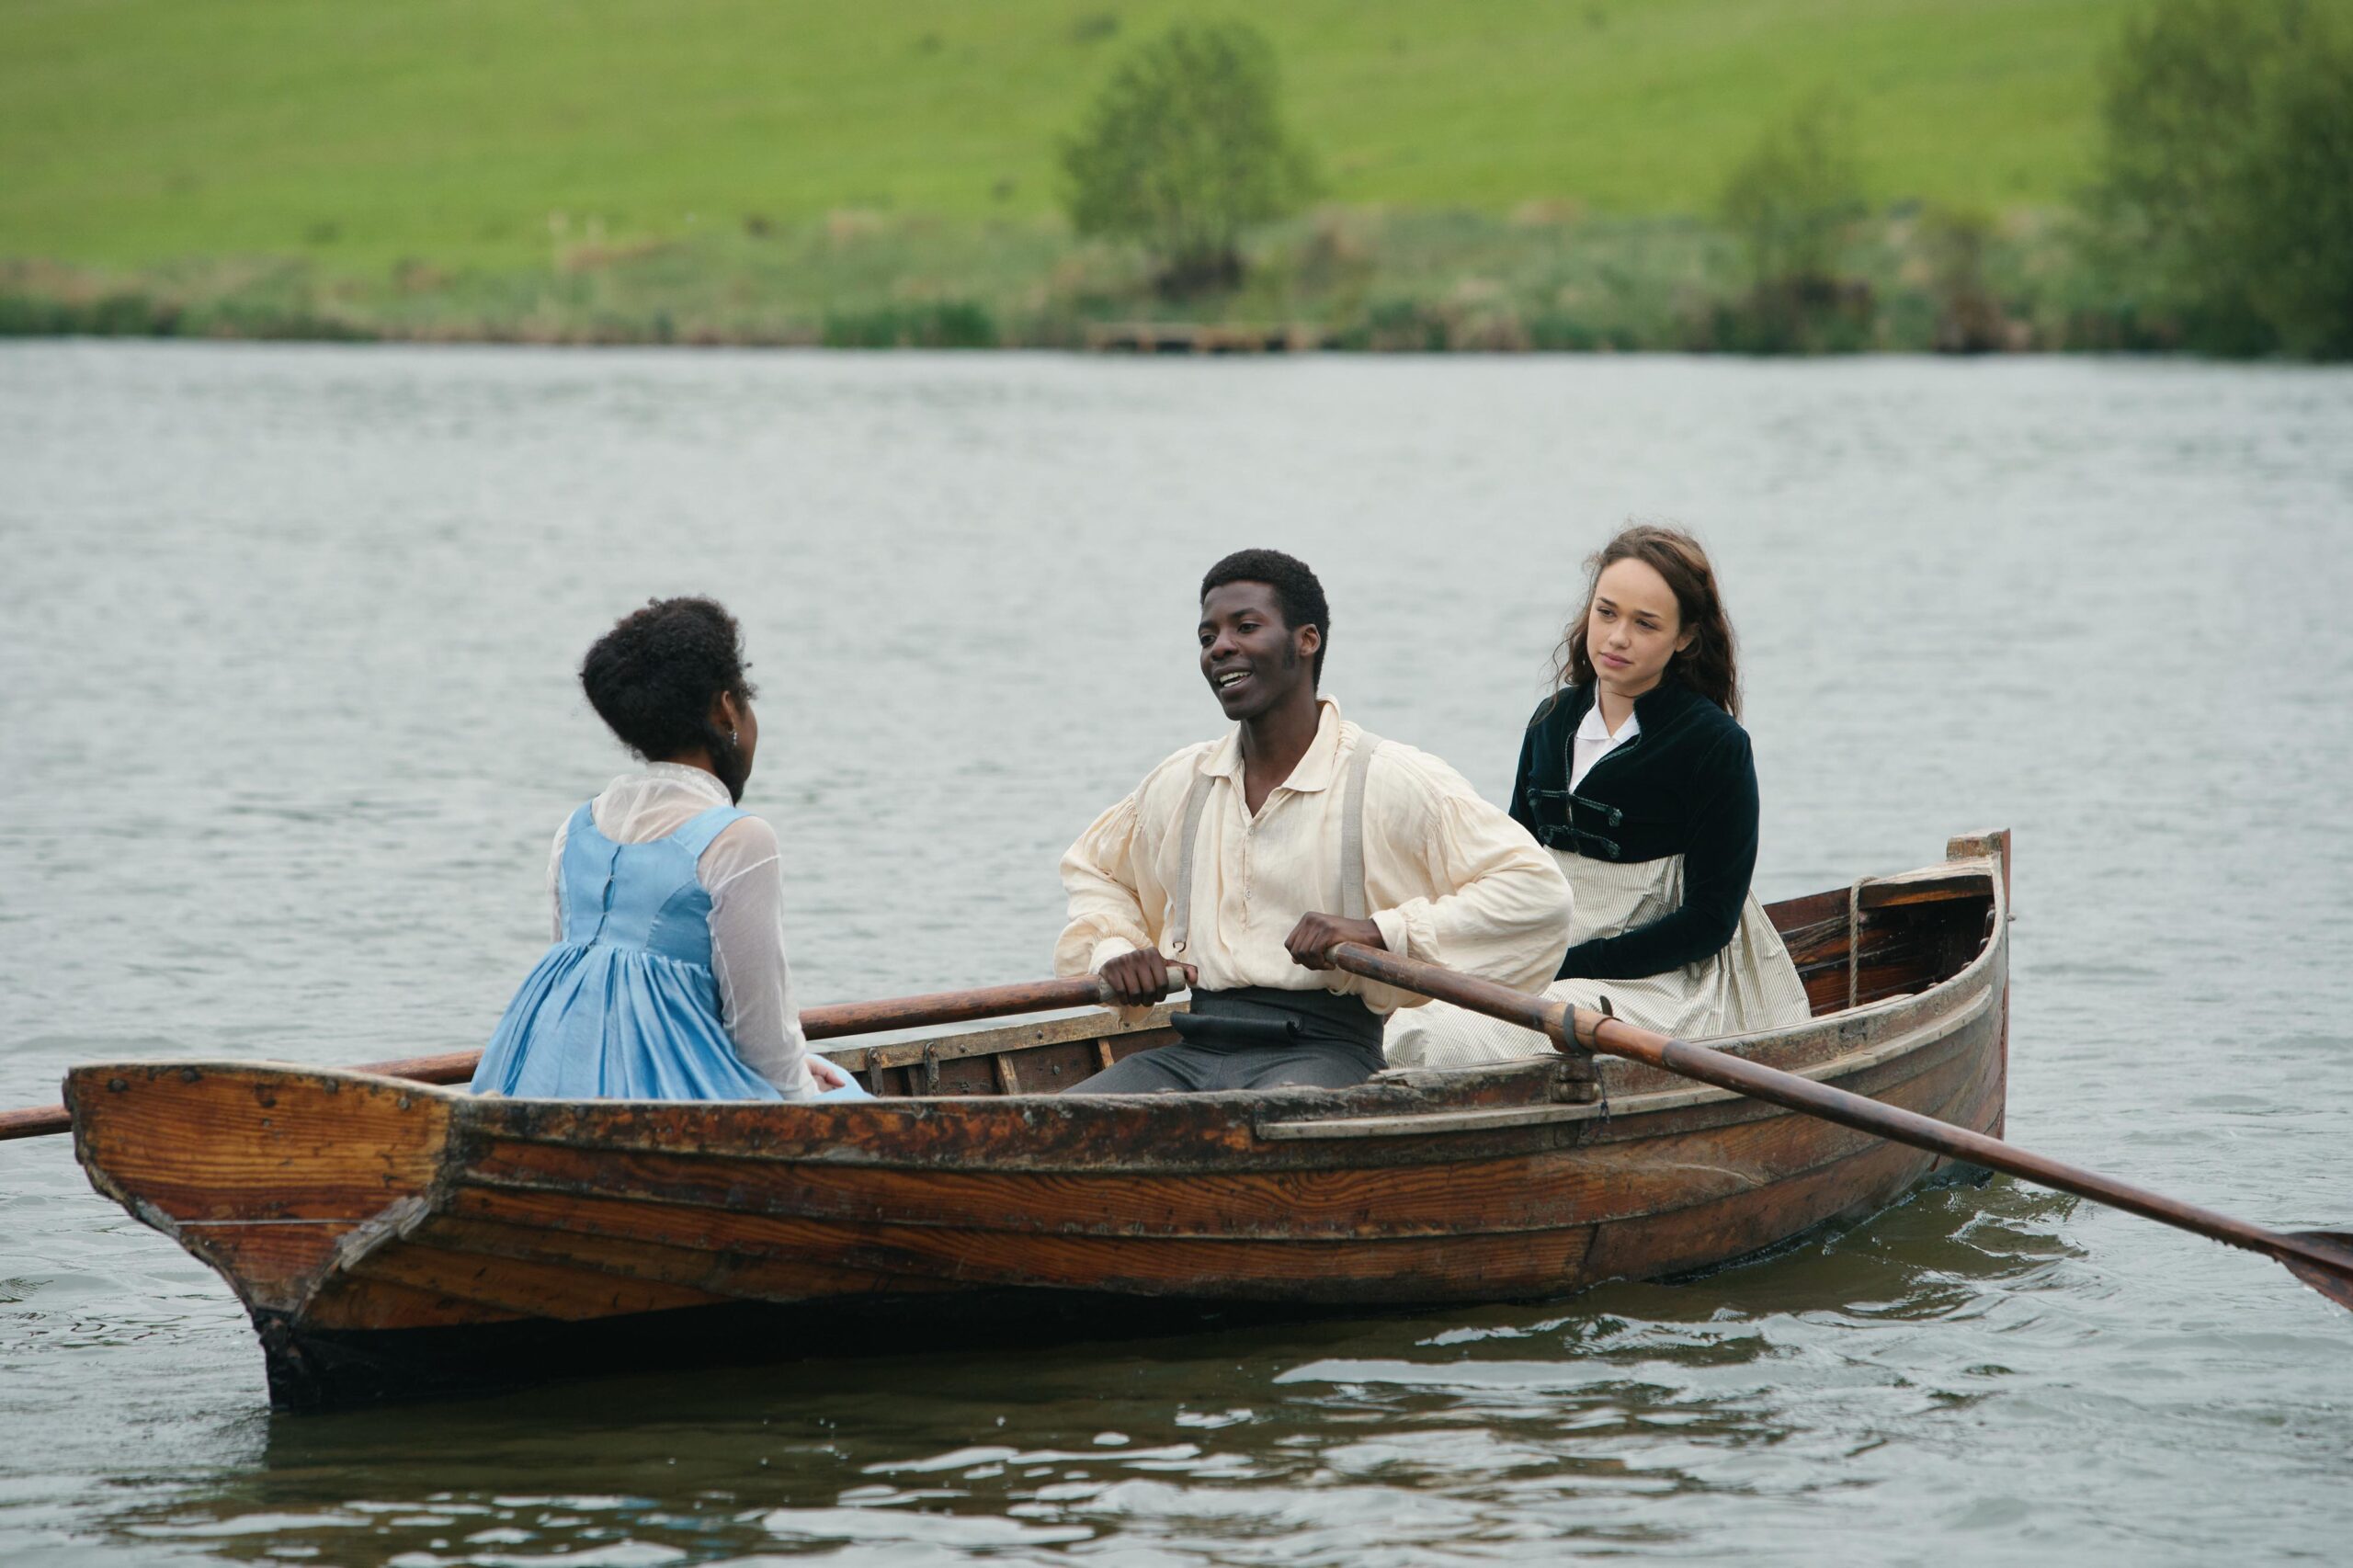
[1102, 875]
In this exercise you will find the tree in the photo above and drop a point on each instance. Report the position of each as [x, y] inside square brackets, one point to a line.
[1183, 150]
[1792, 200]
[2225, 193]
[1791, 204]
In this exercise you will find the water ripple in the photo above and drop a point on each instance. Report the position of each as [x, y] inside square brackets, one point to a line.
[286, 636]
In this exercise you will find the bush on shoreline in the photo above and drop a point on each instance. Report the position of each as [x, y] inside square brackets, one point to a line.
[1790, 205]
[1184, 150]
[1352, 278]
[2225, 195]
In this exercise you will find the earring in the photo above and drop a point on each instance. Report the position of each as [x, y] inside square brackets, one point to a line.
[734, 737]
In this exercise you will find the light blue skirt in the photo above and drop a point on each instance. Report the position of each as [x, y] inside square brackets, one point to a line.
[594, 1021]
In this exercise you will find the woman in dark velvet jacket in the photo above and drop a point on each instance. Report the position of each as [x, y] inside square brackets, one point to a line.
[1636, 775]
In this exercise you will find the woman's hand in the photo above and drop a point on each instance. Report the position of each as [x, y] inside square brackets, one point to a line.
[828, 1076]
[1316, 934]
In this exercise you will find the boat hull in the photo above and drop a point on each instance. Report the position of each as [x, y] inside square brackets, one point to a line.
[392, 1238]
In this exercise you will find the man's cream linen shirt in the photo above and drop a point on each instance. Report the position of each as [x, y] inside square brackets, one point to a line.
[1449, 878]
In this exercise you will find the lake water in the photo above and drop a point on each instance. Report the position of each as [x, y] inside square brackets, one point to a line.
[287, 718]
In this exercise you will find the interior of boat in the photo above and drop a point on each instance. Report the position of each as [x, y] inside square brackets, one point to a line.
[1878, 938]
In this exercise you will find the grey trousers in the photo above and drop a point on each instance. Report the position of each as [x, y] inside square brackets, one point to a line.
[1334, 1041]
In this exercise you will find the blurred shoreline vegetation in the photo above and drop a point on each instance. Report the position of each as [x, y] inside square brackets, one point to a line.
[2204, 204]
[2225, 192]
[1547, 278]
[1184, 150]
[1791, 205]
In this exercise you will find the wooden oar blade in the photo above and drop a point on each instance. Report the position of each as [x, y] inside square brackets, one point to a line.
[2335, 1283]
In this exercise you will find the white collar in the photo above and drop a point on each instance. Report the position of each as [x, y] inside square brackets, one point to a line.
[1596, 728]
[655, 774]
[1315, 766]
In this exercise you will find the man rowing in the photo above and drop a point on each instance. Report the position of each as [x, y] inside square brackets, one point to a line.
[1245, 858]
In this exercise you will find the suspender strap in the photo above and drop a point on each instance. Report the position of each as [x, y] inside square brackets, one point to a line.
[1180, 910]
[1353, 903]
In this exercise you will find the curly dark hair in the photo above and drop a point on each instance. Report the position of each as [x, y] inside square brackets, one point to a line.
[1296, 589]
[654, 676]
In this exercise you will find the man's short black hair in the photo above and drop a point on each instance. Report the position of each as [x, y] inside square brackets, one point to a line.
[1296, 590]
[654, 675]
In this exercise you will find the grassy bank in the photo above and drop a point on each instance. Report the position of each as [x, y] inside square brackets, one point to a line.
[1362, 278]
[1501, 174]
[456, 136]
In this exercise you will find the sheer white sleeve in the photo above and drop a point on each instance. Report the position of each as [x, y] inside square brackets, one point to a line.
[555, 875]
[744, 875]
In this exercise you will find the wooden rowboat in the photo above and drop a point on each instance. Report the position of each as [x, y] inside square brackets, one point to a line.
[390, 1238]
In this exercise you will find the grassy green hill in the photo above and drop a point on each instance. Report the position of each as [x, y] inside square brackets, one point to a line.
[473, 134]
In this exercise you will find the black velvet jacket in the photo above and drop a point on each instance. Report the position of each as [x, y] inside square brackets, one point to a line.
[1684, 785]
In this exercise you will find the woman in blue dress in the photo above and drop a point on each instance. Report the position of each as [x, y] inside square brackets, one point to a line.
[668, 979]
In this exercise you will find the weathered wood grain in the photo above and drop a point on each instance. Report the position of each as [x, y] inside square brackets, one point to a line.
[532, 1287]
[349, 1302]
[253, 1141]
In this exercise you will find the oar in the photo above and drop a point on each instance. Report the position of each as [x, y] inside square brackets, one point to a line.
[2322, 1259]
[816, 1023]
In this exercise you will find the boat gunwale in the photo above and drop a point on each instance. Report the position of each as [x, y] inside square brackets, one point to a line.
[1925, 1032]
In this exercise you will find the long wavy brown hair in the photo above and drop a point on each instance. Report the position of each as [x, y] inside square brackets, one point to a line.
[1709, 665]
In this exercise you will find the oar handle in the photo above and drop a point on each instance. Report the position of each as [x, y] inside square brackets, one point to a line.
[816, 1023]
[34, 1121]
[963, 1006]
[1580, 1030]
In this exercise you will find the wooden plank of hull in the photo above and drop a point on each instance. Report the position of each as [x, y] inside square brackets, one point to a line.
[909, 1257]
[1317, 1203]
[1033, 1133]
[741, 1274]
[392, 1306]
[519, 1287]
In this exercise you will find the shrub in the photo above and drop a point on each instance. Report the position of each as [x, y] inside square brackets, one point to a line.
[1968, 319]
[942, 323]
[1792, 200]
[2225, 189]
[1790, 205]
[1183, 150]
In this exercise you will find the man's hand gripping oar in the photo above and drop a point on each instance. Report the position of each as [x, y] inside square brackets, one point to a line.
[2322, 1259]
